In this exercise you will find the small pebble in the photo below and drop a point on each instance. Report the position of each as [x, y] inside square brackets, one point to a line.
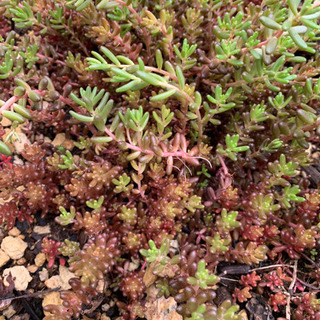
[42, 230]
[32, 269]
[9, 312]
[53, 282]
[13, 247]
[40, 259]
[43, 274]
[60, 139]
[134, 264]
[19, 144]
[6, 122]
[20, 275]
[4, 258]
[14, 232]
[100, 286]
[51, 298]
[61, 280]
[21, 261]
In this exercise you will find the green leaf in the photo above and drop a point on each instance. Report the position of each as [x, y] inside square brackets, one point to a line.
[247, 77]
[310, 24]
[235, 62]
[297, 59]
[180, 77]
[133, 85]
[4, 149]
[270, 23]
[22, 111]
[111, 56]
[101, 139]
[293, 7]
[297, 39]
[305, 116]
[219, 33]
[125, 60]
[34, 96]
[141, 64]
[163, 95]
[311, 16]
[240, 149]
[99, 57]
[255, 54]
[99, 122]
[13, 116]
[271, 45]
[169, 68]
[159, 59]
[126, 75]
[81, 117]
[300, 29]
[149, 78]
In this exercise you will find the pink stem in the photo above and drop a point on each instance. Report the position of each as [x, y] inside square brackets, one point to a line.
[316, 4]
[182, 154]
[223, 165]
[67, 101]
[10, 102]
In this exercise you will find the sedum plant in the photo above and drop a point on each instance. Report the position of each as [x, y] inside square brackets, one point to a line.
[172, 146]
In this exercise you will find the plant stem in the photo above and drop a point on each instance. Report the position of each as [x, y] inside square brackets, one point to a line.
[133, 147]
[263, 43]
[83, 47]
[10, 102]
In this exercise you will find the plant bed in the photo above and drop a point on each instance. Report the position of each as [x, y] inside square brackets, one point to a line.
[159, 159]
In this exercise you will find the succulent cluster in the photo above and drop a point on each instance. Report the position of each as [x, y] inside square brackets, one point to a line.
[170, 138]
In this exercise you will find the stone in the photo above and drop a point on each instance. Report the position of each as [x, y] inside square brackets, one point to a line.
[21, 261]
[40, 259]
[243, 315]
[162, 309]
[6, 122]
[21, 277]
[105, 307]
[4, 258]
[152, 293]
[13, 247]
[42, 230]
[134, 264]
[53, 282]
[65, 276]
[68, 144]
[61, 140]
[20, 144]
[9, 312]
[100, 286]
[17, 160]
[149, 277]
[14, 232]
[61, 280]
[51, 298]
[43, 274]
[23, 316]
[32, 269]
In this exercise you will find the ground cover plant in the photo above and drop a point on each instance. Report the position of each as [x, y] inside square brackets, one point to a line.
[170, 148]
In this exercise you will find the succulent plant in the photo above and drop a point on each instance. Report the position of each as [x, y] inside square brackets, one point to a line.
[166, 139]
